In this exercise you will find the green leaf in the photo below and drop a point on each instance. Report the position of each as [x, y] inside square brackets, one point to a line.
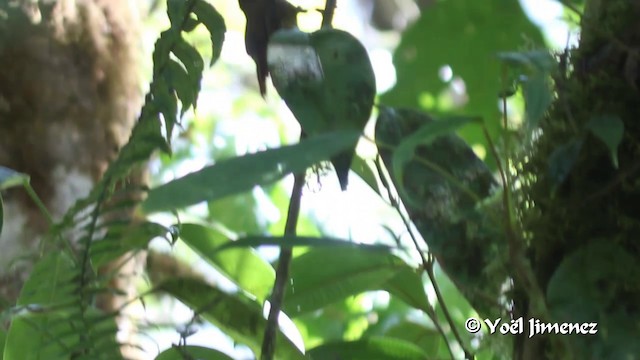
[243, 266]
[465, 35]
[609, 129]
[361, 167]
[427, 133]
[429, 340]
[190, 352]
[447, 191]
[214, 22]
[536, 61]
[10, 178]
[323, 276]
[297, 241]
[562, 159]
[51, 323]
[379, 348]
[177, 11]
[407, 285]
[49, 280]
[537, 97]
[164, 99]
[192, 61]
[225, 211]
[121, 239]
[234, 314]
[178, 79]
[3, 338]
[243, 173]
[162, 49]
[598, 283]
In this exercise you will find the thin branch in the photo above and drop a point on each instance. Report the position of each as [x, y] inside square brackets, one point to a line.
[327, 13]
[282, 272]
[427, 265]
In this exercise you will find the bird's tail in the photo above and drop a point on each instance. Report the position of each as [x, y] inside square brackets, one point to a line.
[342, 164]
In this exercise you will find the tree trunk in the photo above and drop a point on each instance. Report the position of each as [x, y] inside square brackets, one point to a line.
[69, 93]
[585, 228]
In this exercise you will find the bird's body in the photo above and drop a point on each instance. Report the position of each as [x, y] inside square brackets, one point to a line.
[327, 80]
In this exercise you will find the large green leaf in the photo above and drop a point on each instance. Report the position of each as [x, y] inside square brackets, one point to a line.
[447, 191]
[407, 285]
[428, 339]
[234, 314]
[597, 284]
[191, 352]
[465, 35]
[323, 276]
[243, 173]
[242, 265]
[378, 348]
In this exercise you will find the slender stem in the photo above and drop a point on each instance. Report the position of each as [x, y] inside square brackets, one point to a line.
[282, 271]
[327, 14]
[427, 265]
[45, 212]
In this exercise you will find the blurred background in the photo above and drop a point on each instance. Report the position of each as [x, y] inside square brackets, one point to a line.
[232, 119]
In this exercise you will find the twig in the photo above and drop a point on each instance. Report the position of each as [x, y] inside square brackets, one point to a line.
[282, 271]
[327, 13]
[427, 265]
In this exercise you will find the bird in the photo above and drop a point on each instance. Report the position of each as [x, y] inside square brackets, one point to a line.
[327, 81]
[264, 18]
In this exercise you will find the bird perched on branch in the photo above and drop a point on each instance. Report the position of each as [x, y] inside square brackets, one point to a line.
[265, 17]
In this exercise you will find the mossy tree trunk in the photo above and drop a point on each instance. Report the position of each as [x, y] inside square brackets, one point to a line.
[585, 226]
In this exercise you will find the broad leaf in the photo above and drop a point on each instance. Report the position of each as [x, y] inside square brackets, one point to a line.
[537, 97]
[429, 340]
[447, 192]
[242, 265]
[598, 283]
[234, 314]
[243, 173]
[192, 352]
[323, 276]
[466, 36]
[378, 348]
[407, 285]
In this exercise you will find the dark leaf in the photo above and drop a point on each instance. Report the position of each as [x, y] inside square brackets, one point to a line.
[234, 314]
[243, 173]
[214, 23]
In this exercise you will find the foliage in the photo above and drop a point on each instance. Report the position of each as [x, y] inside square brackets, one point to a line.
[473, 247]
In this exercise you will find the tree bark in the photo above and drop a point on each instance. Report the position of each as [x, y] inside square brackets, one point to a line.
[597, 201]
[69, 95]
